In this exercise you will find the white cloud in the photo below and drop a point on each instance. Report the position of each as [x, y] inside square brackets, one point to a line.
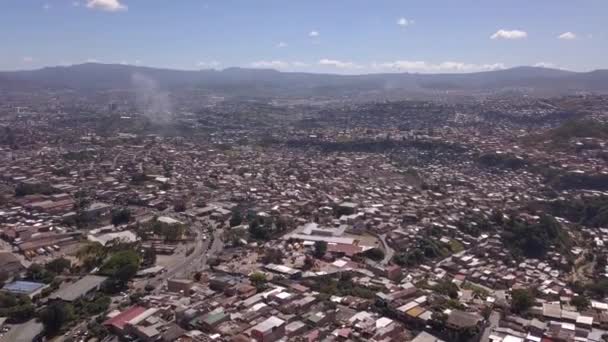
[567, 36]
[426, 67]
[299, 64]
[92, 60]
[314, 34]
[208, 65]
[27, 59]
[282, 45]
[75, 3]
[107, 5]
[405, 22]
[276, 64]
[548, 65]
[46, 7]
[338, 64]
[509, 34]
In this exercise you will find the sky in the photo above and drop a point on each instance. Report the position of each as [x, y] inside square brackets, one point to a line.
[326, 36]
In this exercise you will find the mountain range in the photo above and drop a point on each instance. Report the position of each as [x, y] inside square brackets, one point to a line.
[273, 83]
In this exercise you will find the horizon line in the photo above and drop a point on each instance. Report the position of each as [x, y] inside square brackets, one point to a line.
[396, 72]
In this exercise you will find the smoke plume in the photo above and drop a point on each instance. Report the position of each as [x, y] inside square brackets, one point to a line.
[151, 101]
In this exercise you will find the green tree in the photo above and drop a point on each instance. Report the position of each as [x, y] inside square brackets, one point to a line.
[375, 254]
[121, 267]
[258, 279]
[580, 302]
[55, 316]
[38, 273]
[447, 288]
[16, 308]
[121, 216]
[236, 218]
[320, 248]
[522, 300]
[58, 265]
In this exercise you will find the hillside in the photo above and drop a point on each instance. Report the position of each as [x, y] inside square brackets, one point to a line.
[272, 83]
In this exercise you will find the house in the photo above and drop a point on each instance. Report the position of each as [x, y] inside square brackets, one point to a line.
[179, 285]
[82, 288]
[460, 320]
[27, 288]
[117, 321]
[10, 265]
[269, 330]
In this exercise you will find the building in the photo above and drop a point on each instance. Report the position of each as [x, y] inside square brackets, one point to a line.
[117, 321]
[270, 330]
[82, 288]
[10, 265]
[179, 285]
[26, 288]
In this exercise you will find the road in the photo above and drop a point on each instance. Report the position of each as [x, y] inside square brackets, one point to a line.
[23, 332]
[492, 323]
[197, 260]
[388, 251]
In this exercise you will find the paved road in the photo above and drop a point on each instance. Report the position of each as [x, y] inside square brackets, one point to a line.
[493, 323]
[388, 251]
[23, 332]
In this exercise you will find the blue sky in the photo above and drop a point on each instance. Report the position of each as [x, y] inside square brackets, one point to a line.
[341, 36]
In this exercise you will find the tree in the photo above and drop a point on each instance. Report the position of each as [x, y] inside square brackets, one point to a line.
[236, 218]
[258, 279]
[16, 308]
[179, 205]
[91, 255]
[273, 256]
[375, 254]
[38, 273]
[121, 267]
[320, 249]
[55, 316]
[121, 216]
[447, 288]
[58, 265]
[581, 302]
[522, 300]
[149, 257]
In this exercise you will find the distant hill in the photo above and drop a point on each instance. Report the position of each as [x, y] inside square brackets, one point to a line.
[264, 82]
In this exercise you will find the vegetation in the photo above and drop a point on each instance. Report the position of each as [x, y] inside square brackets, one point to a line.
[522, 300]
[120, 267]
[56, 316]
[273, 256]
[265, 228]
[121, 216]
[236, 218]
[58, 265]
[375, 254]
[507, 161]
[344, 286]
[598, 289]
[580, 302]
[24, 189]
[534, 240]
[320, 248]
[592, 212]
[425, 249]
[92, 255]
[447, 288]
[478, 291]
[258, 279]
[169, 232]
[17, 309]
